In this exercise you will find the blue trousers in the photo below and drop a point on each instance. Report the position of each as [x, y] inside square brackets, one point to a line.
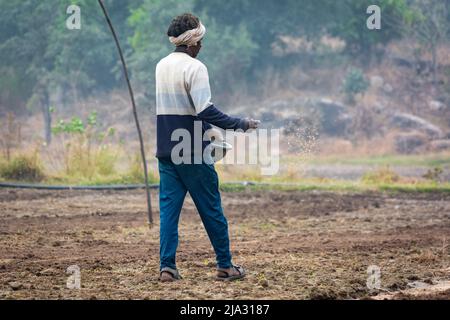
[202, 183]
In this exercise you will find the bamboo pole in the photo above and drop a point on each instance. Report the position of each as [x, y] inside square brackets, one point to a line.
[138, 126]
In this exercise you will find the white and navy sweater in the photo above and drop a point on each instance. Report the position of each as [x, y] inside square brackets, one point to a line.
[183, 95]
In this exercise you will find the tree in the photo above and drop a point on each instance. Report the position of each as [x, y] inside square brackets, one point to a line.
[227, 51]
[428, 23]
[149, 42]
[267, 20]
[42, 57]
[350, 25]
[431, 27]
[27, 28]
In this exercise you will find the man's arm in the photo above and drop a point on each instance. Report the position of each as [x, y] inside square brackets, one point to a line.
[214, 116]
[200, 95]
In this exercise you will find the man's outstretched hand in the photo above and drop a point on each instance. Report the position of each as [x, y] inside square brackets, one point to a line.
[253, 124]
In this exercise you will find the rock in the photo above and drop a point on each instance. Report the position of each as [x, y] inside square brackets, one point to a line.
[57, 244]
[413, 277]
[27, 286]
[331, 116]
[379, 108]
[279, 104]
[388, 88]
[435, 105]
[268, 116]
[402, 62]
[330, 105]
[407, 121]
[376, 81]
[335, 119]
[408, 143]
[272, 113]
[47, 272]
[15, 285]
[440, 145]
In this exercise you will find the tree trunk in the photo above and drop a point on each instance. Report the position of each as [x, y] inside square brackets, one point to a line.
[45, 105]
[434, 63]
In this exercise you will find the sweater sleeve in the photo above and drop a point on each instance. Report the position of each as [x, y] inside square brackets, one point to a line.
[200, 96]
[207, 126]
[197, 84]
[215, 117]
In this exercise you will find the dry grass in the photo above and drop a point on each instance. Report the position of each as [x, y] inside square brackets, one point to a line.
[381, 176]
[24, 167]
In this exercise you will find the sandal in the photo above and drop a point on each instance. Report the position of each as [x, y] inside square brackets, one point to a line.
[169, 275]
[225, 275]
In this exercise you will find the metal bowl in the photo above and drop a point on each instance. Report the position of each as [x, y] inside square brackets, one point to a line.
[219, 150]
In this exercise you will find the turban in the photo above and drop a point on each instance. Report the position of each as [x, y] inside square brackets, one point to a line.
[189, 38]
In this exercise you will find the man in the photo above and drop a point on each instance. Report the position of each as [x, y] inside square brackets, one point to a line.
[183, 102]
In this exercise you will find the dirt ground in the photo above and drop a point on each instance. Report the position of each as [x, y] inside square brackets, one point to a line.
[295, 245]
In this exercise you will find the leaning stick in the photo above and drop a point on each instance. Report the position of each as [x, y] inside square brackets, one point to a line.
[138, 126]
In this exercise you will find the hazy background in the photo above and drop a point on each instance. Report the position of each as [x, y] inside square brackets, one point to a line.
[310, 68]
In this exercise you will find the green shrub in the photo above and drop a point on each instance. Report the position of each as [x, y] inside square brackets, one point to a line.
[3, 164]
[105, 161]
[355, 83]
[135, 173]
[381, 176]
[22, 168]
[434, 174]
[89, 152]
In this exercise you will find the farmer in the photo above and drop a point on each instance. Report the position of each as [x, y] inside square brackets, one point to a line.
[184, 102]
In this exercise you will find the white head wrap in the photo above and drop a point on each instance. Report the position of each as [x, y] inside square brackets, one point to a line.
[189, 38]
